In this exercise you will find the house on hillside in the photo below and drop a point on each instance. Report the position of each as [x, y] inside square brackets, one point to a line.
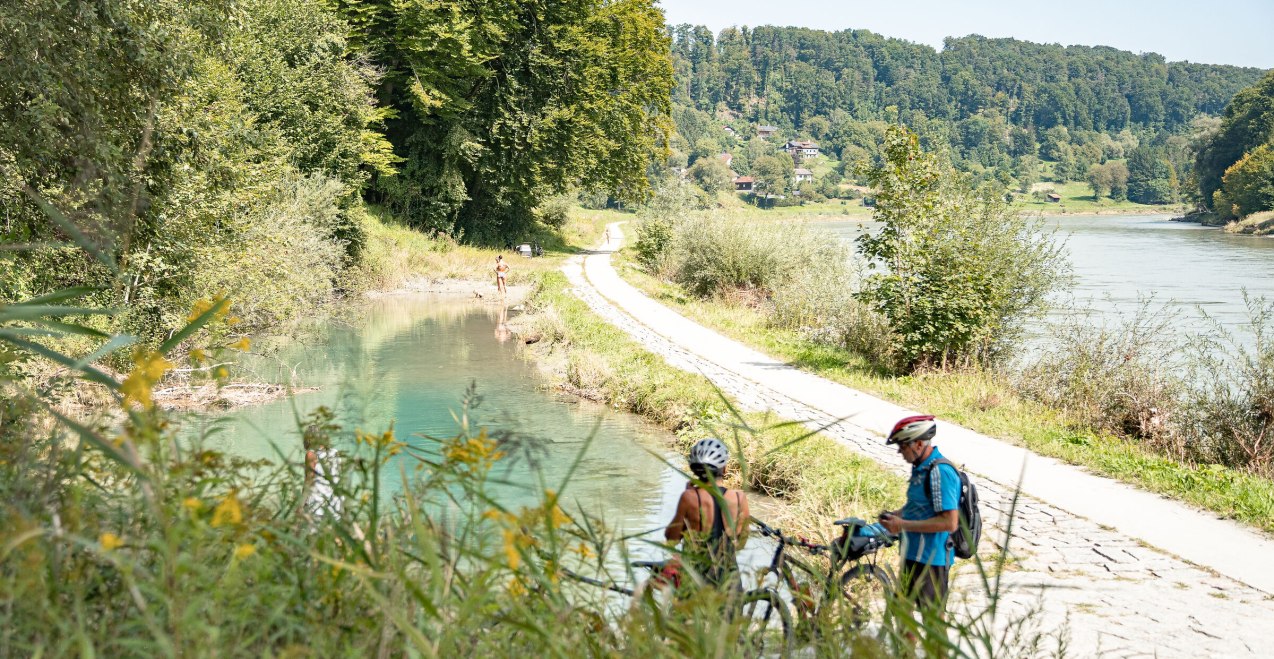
[1054, 198]
[800, 150]
[743, 184]
[730, 131]
[766, 131]
[802, 175]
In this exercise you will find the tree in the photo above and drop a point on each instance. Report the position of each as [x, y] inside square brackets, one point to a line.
[1027, 171]
[712, 175]
[772, 176]
[1149, 176]
[1118, 176]
[1248, 123]
[1249, 183]
[955, 271]
[1098, 179]
[500, 105]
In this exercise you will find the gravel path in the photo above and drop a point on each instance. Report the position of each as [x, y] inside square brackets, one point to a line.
[1098, 561]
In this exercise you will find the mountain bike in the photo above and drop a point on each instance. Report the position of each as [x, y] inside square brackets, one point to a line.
[766, 622]
[852, 588]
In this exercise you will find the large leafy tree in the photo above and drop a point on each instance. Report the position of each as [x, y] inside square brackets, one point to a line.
[1248, 185]
[1248, 123]
[956, 271]
[502, 103]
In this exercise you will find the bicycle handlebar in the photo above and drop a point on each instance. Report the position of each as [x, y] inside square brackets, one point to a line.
[803, 543]
[885, 540]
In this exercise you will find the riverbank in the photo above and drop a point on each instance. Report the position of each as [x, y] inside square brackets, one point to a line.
[585, 355]
[396, 260]
[981, 401]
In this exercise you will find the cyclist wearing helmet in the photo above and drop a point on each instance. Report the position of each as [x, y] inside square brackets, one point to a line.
[710, 533]
[929, 516]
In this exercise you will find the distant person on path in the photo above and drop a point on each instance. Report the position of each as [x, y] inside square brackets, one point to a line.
[606, 235]
[710, 535]
[501, 269]
[929, 517]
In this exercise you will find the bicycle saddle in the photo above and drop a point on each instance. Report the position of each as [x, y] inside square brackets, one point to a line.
[650, 565]
[850, 521]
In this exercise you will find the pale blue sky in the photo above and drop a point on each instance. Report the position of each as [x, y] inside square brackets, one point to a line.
[1213, 32]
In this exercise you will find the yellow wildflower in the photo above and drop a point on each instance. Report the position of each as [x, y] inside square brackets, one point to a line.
[228, 511]
[192, 504]
[242, 345]
[198, 355]
[233, 320]
[584, 551]
[221, 373]
[244, 551]
[517, 588]
[511, 554]
[110, 541]
[200, 307]
[148, 367]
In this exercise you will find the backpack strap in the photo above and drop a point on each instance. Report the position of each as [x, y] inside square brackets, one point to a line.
[935, 496]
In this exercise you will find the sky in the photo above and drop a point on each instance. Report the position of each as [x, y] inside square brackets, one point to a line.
[1239, 32]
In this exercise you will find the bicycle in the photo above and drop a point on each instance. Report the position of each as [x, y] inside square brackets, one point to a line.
[854, 588]
[767, 621]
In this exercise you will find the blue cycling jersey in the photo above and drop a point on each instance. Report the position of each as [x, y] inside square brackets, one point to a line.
[925, 499]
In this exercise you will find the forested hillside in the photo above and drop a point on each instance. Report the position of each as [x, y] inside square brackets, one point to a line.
[998, 103]
[228, 147]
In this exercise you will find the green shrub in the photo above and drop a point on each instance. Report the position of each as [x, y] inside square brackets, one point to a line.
[958, 272]
[1229, 417]
[1123, 379]
[715, 254]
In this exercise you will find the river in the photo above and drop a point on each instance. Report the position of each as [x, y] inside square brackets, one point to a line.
[409, 361]
[1118, 260]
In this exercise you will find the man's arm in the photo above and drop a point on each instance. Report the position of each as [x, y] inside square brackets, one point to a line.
[745, 521]
[947, 520]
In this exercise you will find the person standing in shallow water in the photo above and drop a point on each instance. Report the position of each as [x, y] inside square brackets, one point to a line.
[501, 269]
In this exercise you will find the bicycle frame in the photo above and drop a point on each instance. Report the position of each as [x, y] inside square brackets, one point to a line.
[781, 564]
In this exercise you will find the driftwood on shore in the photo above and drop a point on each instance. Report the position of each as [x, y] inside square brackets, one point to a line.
[210, 396]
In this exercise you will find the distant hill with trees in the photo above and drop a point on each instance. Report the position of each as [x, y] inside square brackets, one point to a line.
[1001, 105]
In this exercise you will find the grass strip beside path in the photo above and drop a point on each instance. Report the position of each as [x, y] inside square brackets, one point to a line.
[983, 402]
[820, 479]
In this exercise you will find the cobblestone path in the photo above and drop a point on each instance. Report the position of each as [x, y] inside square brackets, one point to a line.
[1105, 593]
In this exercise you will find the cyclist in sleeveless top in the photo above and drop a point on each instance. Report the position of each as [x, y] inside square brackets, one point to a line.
[710, 534]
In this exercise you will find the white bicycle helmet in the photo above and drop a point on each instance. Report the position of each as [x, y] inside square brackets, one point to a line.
[711, 453]
[913, 428]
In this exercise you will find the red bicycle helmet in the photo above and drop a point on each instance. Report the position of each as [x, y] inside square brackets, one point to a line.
[912, 428]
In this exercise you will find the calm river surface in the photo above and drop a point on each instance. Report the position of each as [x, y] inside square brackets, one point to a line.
[1119, 259]
[408, 361]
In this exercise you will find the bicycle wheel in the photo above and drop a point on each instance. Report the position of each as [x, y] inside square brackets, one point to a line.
[766, 623]
[867, 589]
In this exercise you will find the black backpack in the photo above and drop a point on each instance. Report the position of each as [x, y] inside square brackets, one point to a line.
[965, 539]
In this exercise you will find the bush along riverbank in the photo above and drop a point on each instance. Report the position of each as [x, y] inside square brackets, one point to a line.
[1185, 419]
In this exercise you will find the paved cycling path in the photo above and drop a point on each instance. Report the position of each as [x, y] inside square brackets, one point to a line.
[1101, 558]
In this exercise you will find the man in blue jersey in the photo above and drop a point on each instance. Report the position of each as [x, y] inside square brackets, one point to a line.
[929, 517]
